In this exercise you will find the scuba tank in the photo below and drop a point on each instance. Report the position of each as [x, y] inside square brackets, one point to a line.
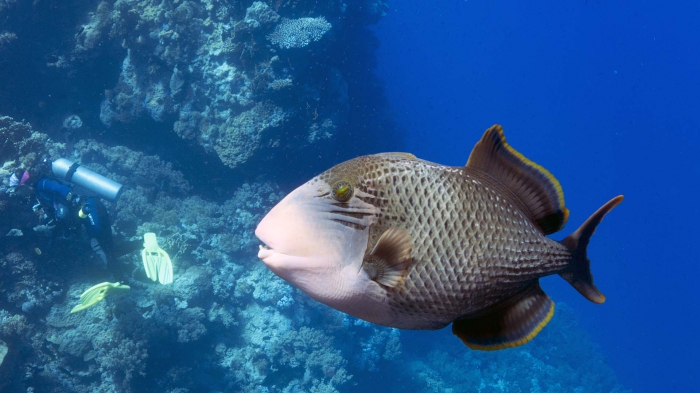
[74, 173]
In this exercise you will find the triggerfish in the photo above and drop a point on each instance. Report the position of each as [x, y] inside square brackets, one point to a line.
[407, 243]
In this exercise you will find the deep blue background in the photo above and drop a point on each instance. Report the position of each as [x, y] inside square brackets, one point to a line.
[606, 96]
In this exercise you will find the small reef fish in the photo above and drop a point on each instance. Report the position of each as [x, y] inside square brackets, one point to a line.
[407, 243]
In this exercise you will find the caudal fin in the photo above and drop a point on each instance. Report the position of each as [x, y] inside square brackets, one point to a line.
[578, 274]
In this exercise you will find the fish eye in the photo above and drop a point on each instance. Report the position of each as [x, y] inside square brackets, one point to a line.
[342, 191]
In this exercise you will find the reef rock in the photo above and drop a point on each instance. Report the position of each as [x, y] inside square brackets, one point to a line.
[3, 351]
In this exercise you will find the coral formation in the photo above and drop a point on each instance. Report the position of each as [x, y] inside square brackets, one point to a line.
[298, 33]
[206, 68]
[222, 75]
[23, 147]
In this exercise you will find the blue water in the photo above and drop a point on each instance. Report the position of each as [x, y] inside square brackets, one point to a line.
[208, 124]
[605, 95]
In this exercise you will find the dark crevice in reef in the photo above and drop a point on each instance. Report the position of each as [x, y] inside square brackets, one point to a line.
[370, 124]
[36, 83]
[366, 128]
[208, 176]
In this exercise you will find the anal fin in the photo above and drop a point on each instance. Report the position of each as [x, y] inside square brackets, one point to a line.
[390, 258]
[512, 323]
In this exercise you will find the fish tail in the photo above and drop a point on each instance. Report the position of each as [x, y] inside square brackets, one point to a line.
[578, 273]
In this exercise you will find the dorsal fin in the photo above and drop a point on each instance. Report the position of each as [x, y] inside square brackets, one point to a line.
[389, 260]
[397, 154]
[538, 190]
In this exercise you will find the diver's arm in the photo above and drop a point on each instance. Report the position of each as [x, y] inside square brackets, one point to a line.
[46, 188]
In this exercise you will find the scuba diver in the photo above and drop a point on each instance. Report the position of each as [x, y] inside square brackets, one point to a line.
[68, 211]
[65, 211]
[68, 197]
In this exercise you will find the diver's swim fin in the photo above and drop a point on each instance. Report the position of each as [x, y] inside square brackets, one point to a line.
[156, 261]
[97, 293]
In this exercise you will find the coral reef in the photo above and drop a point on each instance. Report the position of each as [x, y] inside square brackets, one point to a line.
[553, 362]
[246, 81]
[220, 295]
[200, 109]
[226, 323]
[23, 147]
[6, 37]
[208, 69]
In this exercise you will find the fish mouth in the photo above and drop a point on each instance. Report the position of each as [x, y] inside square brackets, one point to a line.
[265, 252]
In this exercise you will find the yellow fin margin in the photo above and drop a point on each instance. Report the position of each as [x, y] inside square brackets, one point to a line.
[511, 323]
[517, 343]
[537, 192]
[543, 170]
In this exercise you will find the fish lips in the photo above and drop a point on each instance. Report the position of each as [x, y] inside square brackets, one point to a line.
[300, 233]
[285, 230]
[265, 252]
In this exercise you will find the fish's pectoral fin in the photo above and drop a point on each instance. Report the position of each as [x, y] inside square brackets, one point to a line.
[538, 191]
[511, 323]
[390, 259]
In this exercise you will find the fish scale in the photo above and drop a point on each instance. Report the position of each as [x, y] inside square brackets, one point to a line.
[411, 244]
[466, 255]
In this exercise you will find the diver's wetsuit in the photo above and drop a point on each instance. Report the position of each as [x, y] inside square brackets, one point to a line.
[97, 224]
